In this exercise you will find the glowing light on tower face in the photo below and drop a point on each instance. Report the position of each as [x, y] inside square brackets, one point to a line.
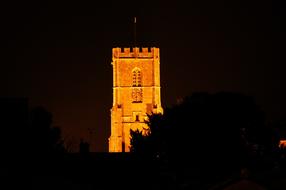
[136, 91]
[282, 144]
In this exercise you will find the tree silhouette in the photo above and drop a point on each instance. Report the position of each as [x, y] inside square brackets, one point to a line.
[70, 144]
[83, 147]
[45, 139]
[13, 140]
[208, 135]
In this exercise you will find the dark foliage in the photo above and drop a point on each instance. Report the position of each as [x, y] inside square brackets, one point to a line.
[13, 124]
[45, 139]
[83, 147]
[209, 135]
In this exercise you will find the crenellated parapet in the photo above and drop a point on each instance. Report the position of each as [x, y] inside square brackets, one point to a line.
[135, 52]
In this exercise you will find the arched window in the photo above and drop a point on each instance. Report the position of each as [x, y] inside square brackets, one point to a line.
[136, 74]
[137, 91]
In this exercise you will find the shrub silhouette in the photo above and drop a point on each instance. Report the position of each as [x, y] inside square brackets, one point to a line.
[208, 135]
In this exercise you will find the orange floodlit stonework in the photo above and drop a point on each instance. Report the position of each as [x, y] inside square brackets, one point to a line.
[282, 144]
[136, 93]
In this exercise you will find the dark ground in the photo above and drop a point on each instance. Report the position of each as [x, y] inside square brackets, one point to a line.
[120, 171]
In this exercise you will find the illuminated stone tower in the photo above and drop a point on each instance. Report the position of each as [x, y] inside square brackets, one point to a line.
[136, 92]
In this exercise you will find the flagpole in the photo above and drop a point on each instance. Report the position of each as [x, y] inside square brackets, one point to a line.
[135, 32]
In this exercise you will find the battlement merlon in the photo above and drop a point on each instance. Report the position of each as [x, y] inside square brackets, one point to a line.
[135, 52]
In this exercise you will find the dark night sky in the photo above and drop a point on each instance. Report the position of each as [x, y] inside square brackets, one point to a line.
[59, 54]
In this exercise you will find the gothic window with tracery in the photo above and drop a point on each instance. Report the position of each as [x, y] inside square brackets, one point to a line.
[136, 74]
[136, 86]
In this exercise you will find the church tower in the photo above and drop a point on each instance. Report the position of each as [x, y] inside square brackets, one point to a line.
[136, 93]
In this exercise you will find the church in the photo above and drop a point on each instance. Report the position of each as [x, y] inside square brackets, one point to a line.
[136, 93]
